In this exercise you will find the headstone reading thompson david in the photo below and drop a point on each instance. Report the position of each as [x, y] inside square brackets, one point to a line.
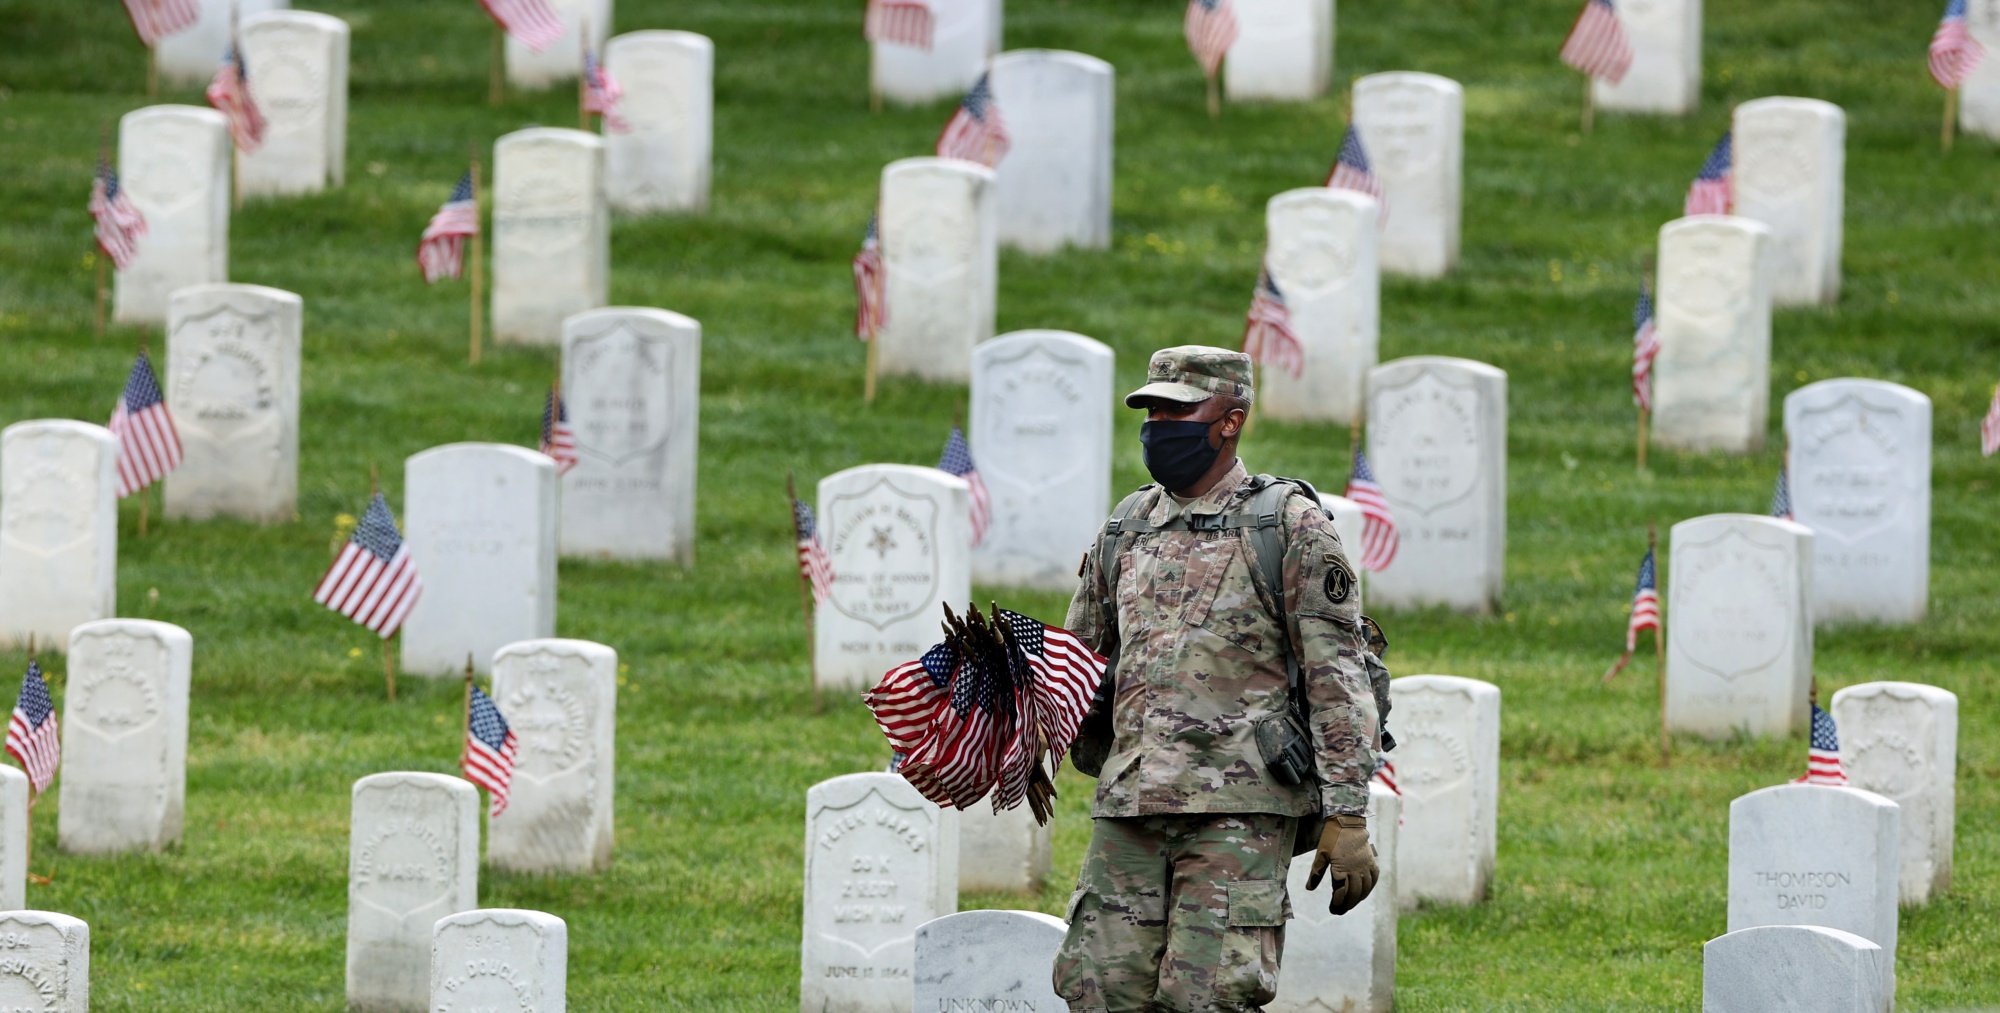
[660, 162]
[44, 962]
[632, 383]
[1792, 967]
[1321, 253]
[899, 538]
[940, 227]
[480, 521]
[1413, 126]
[551, 232]
[989, 960]
[413, 858]
[1711, 381]
[1739, 625]
[298, 64]
[173, 161]
[1448, 764]
[1860, 465]
[1055, 183]
[1665, 76]
[232, 378]
[1283, 51]
[124, 737]
[492, 959]
[1344, 963]
[1437, 441]
[561, 700]
[58, 530]
[1790, 171]
[1900, 740]
[964, 34]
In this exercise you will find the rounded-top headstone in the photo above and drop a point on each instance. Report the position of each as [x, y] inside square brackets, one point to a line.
[413, 858]
[1447, 761]
[1859, 462]
[1812, 854]
[124, 735]
[1788, 171]
[1283, 51]
[1792, 969]
[988, 960]
[1711, 380]
[939, 222]
[660, 161]
[1665, 76]
[58, 529]
[899, 538]
[44, 962]
[1413, 127]
[298, 62]
[493, 959]
[1322, 255]
[231, 373]
[189, 56]
[561, 699]
[964, 34]
[632, 385]
[1900, 740]
[562, 59]
[1739, 625]
[173, 162]
[551, 232]
[1055, 183]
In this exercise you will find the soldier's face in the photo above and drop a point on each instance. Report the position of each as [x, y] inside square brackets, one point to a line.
[1210, 411]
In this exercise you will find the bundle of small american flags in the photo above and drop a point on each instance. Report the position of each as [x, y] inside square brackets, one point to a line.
[1954, 53]
[1645, 348]
[977, 713]
[815, 566]
[32, 731]
[1645, 611]
[1210, 28]
[871, 305]
[903, 22]
[1379, 539]
[976, 132]
[229, 91]
[156, 19]
[441, 251]
[148, 444]
[490, 747]
[1351, 172]
[558, 438]
[957, 460]
[1597, 44]
[1989, 427]
[601, 93]
[1268, 337]
[1823, 752]
[373, 581]
[1709, 193]
[533, 22]
[119, 221]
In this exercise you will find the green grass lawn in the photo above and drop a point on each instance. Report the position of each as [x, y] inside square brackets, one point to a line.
[1611, 867]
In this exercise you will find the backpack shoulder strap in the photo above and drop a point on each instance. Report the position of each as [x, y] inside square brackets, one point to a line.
[1124, 520]
[1264, 516]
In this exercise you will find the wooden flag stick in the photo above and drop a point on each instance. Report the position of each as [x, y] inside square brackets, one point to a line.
[465, 716]
[1660, 648]
[1589, 105]
[496, 74]
[1950, 117]
[868, 383]
[477, 267]
[805, 592]
[1214, 98]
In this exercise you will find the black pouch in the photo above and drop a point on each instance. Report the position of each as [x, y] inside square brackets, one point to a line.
[1287, 752]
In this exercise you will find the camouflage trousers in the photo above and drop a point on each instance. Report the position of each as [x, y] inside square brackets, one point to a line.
[1178, 914]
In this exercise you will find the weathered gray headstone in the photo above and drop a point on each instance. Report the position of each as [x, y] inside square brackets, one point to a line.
[1413, 126]
[173, 161]
[660, 162]
[1979, 96]
[1739, 625]
[58, 530]
[298, 76]
[413, 858]
[1792, 969]
[1321, 253]
[1041, 434]
[1711, 380]
[13, 839]
[562, 60]
[1815, 854]
[632, 383]
[989, 962]
[232, 379]
[899, 538]
[1448, 764]
[1437, 442]
[561, 700]
[1004, 851]
[1860, 464]
[939, 231]
[1900, 740]
[1344, 963]
[1789, 173]
[964, 34]
[1055, 183]
[190, 55]
[480, 522]
[880, 861]
[492, 959]
[1665, 76]
[124, 737]
[1283, 51]
[44, 962]
[551, 232]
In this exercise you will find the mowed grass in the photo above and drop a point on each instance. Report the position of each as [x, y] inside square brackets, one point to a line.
[1611, 866]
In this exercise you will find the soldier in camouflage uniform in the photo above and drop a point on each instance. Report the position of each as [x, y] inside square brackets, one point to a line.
[1181, 902]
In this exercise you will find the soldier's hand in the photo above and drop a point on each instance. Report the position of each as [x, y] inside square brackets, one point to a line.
[1344, 850]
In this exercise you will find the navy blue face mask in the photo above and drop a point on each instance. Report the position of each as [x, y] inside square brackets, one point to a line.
[1177, 453]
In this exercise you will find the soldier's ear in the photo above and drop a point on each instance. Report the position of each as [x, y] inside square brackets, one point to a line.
[1232, 423]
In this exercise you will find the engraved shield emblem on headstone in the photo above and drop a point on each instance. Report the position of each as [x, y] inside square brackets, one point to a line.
[170, 178]
[44, 512]
[620, 410]
[1031, 404]
[546, 208]
[1429, 430]
[289, 83]
[884, 550]
[1742, 590]
[405, 863]
[1307, 257]
[1431, 758]
[116, 699]
[928, 231]
[1847, 453]
[222, 385]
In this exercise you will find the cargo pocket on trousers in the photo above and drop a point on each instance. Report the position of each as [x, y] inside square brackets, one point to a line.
[1253, 942]
[1072, 963]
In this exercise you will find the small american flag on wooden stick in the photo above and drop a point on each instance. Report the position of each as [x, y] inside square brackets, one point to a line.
[373, 581]
[441, 251]
[120, 223]
[1268, 337]
[976, 132]
[1210, 28]
[229, 91]
[903, 22]
[1954, 53]
[1352, 172]
[31, 731]
[1645, 611]
[149, 445]
[156, 19]
[1823, 752]
[602, 92]
[1709, 194]
[871, 304]
[1645, 348]
[490, 748]
[1379, 539]
[957, 460]
[1597, 44]
[533, 22]
[814, 564]
[558, 437]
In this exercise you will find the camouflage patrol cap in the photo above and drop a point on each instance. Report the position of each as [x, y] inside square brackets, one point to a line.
[1191, 373]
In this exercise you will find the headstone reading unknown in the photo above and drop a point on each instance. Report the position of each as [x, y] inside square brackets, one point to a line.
[232, 385]
[1283, 51]
[13, 839]
[1979, 96]
[124, 737]
[1448, 764]
[1437, 441]
[1860, 465]
[964, 34]
[660, 162]
[190, 55]
[1711, 380]
[492, 959]
[561, 60]
[413, 858]
[298, 77]
[1665, 76]
[999, 961]
[1792, 967]
[1789, 173]
[1321, 253]
[58, 530]
[1814, 854]
[1005, 851]
[1055, 183]
[561, 700]
[1900, 740]
[632, 383]
[480, 521]
[44, 962]
[880, 861]
[939, 230]
[1739, 625]
[1344, 963]
[173, 161]
[1041, 432]
[1413, 127]
[551, 232]
[899, 538]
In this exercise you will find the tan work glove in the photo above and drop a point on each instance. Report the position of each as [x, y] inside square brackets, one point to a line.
[1344, 849]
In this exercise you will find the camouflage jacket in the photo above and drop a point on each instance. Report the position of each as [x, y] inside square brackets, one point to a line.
[1201, 662]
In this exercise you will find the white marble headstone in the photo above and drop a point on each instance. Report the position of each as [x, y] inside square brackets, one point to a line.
[124, 737]
[1283, 51]
[1005, 851]
[964, 34]
[551, 232]
[899, 539]
[939, 232]
[1807, 968]
[1979, 96]
[1860, 460]
[563, 59]
[1320, 248]
[58, 530]
[190, 55]
[492, 959]
[413, 858]
[661, 161]
[1413, 126]
[13, 838]
[1789, 173]
[1344, 963]
[632, 384]
[1437, 442]
[1665, 76]
[1447, 761]
[1900, 740]
[1055, 183]
[1041, 435]
[298, 76]
[480, 521]
[1739, 625]
[232, 384]
[560, 698]
[44, 962]
[1711, 380]
[173, 161]
[1815, 854]
[998, 961]
[880, 861]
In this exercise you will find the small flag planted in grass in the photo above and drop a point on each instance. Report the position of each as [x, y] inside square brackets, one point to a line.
[976, 132]
[1268, 337]
[32, 731]
[229, 91]
[1597, 45]
[1709, 193]
[1823, 752]
[148, 444]
[490, 747]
